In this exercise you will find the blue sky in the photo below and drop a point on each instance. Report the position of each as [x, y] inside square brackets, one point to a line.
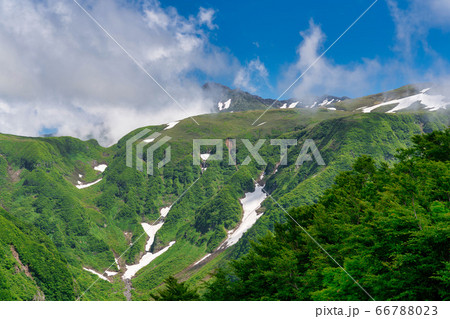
[270, 31]
[60, 72]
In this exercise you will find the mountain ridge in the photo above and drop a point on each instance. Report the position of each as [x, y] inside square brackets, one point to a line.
[414, 96]
[92, 228]
[234, 100]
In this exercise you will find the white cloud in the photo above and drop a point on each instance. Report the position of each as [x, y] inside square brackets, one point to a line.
[252, 77]
[326, 77]
[59, 70]
[414, 22]
[206, 17]
[356, 79]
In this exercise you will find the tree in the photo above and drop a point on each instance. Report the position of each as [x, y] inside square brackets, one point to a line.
[176, 291]
[388, 228]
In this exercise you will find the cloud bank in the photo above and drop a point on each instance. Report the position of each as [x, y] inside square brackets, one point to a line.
[58, 70]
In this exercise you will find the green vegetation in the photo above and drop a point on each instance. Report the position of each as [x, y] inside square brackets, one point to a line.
[175, 291]
[46, 275]
[370, 100]
[36, 188]
[340, 142]
[388, 227]
[93, 226]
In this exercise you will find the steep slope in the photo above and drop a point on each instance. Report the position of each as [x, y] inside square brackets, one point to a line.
[341, 138]
[37, 186]
[340, 141]
[31, 268]
[99, 227]
[387, 226]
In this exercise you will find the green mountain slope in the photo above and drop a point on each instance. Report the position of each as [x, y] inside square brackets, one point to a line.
[94, 227]
[235, 100]
[388, 227]
[341, 141]
[409, 98]
[31, 268]
[37, 177]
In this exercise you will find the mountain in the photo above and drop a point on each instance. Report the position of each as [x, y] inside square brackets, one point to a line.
[234, 100]
[116, 232]
[427, 96]
[386, 225]
[31, 268]
[422, 96]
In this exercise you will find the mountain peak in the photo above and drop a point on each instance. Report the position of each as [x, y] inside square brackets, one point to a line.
[226, 99]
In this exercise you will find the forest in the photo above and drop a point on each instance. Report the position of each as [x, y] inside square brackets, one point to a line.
[388, 227]
[381, 214]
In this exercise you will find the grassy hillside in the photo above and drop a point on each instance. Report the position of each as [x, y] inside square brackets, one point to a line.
[387, 226]
[37, 177]
[370, 100]
[340, 141]
[93, 226]
[340, 138]
[31, 268]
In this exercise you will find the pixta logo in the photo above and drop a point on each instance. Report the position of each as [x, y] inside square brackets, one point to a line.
[308, 152]
[139, 157]
[308, 147]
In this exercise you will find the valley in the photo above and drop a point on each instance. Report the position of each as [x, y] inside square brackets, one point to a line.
[117, 233]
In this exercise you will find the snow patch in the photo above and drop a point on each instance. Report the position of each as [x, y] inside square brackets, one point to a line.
[164, 211]
[151, 231]
[148, 257]
[292, 105]
[261, 124]
[205, 156]
[250, 203]
[81, 185]
[111, 273]
[145, 261]
[324, 102]
[331, 108]
[431, 102]
[227, 104]
[202, 259]
[101, 167]
[284, 106]
[171, 125]
[224, 106]
[96, 273]
[149, 140]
